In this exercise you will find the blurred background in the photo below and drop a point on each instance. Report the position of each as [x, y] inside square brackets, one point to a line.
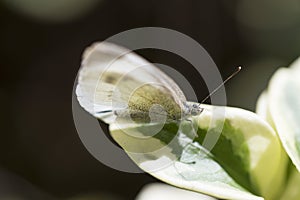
[41, 155]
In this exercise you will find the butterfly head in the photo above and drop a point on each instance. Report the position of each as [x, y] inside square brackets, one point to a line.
[193, 109]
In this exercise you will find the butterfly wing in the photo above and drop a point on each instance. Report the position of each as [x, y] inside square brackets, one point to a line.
[113, 78]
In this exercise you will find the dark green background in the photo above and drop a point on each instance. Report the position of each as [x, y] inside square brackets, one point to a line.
[39, 61]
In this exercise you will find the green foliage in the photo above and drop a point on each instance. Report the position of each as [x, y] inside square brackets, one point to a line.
[251, 157]
[241, 161]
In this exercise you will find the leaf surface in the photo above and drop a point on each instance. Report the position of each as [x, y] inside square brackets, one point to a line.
[240, 164]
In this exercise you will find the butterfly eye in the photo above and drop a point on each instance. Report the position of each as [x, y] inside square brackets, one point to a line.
[195, 106]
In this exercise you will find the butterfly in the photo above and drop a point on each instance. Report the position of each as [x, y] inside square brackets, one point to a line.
[114, 82]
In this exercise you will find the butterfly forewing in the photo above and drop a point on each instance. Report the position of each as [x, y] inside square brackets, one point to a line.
[113, 81]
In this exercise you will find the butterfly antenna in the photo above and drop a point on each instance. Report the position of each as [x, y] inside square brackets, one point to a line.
[227, 79]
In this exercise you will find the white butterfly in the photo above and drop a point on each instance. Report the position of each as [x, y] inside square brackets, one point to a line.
[115, 82]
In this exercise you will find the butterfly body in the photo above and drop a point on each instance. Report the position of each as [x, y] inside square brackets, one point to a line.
[117, 84]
